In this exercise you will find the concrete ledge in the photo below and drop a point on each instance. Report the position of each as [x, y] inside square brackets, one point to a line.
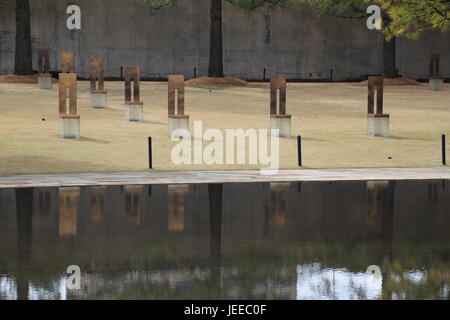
[200, 177]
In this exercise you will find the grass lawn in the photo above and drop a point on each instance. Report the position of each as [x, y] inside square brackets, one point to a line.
[331, 118]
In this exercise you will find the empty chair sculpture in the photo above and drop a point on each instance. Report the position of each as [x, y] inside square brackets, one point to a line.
[67, 62]
[377, 121]
[69, 119]
[177, 118]
[279, 121]
[134, 108]
[44, 76]
[436, 81]
[98, 93]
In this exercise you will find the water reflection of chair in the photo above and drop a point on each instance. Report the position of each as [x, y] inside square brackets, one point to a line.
[277, 204]
[68, 211]
[133, 205]
[381, 212]
[97, 203]
[176, 206]
[379, 201]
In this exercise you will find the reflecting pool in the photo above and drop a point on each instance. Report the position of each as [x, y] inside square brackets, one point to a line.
[315, 240]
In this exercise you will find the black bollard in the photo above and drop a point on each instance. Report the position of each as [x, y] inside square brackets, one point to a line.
[444, 156]
[299, 149]
[150, 153]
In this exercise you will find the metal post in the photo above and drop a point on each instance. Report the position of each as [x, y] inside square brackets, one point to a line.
[299, 149]
[444, 156]
[264, 74]
[195, 73]
[150, 153]
[331, 75]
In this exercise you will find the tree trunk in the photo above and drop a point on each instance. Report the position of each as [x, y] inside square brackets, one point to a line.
[389, 58]
[23, 64]
[215, 68]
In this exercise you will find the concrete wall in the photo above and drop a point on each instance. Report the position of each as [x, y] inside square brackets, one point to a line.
[176, 40]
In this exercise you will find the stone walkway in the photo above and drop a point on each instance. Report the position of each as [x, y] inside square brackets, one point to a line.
[92, 179]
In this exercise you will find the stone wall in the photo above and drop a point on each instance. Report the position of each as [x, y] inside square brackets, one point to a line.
[294, 43]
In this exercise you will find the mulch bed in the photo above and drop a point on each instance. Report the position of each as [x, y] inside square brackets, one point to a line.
[216, 82]
[12, 78]
[397, 82]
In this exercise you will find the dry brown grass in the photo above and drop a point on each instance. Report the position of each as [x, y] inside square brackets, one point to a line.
[330, 117]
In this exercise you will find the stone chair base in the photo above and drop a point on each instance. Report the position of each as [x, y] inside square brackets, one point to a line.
[178, 122]
[45, 81]
[436, 84]
[134, 111]
[282, 123]
[378, 125]
[99, 99]
[69, 126]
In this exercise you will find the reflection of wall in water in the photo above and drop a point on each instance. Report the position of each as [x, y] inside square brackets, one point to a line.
[7, 214]
[46, 212]
[323, 210]
[421, 209]
[68, 211]
[44, 196]
[319, 210]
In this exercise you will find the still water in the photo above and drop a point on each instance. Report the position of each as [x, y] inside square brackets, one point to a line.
[318, 240]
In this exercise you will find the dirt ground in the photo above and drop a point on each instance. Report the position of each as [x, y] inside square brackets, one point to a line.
[330, 117]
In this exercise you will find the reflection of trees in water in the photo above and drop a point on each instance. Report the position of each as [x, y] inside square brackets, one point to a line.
[270, 273]
[417, 283]
[252, 272]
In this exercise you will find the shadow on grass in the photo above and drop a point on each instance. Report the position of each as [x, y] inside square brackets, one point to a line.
[84, 139]
[42, 165]
[158, 123]
[308, 139]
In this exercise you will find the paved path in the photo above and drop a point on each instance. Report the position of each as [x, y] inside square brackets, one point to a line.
[92, 179]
